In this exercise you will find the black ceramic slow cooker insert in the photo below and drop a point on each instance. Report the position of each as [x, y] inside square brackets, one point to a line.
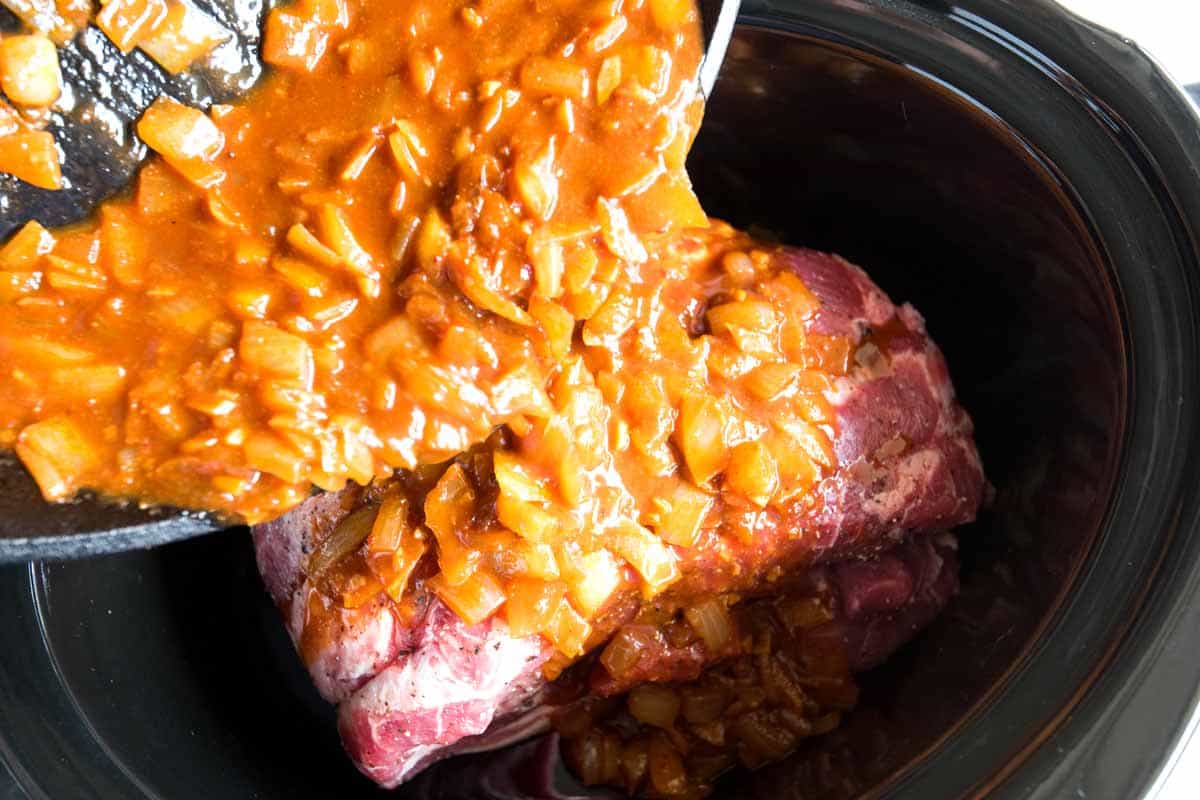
[1032, 184]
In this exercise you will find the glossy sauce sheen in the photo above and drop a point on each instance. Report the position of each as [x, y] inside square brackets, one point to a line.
[671, 467]
[455, 244]
[414, 123]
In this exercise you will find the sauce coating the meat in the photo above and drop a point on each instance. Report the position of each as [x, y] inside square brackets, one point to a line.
[430, 226]
[664, 453]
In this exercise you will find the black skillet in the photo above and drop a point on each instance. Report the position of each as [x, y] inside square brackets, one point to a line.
[110, 92]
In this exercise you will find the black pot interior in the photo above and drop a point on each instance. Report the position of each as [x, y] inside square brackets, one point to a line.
[947, 208]
[168, 674]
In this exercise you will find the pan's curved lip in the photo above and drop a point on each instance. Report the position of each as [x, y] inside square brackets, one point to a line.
[145, 527]
[1095, 740]
[175, 527]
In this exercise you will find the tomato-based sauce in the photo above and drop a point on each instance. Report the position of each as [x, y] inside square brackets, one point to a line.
[454, 246]
[354, 270]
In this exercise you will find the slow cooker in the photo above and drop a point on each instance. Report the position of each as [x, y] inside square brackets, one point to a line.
[1032, 183]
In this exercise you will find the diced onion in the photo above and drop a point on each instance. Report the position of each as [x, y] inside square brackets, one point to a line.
[566, 630]
[539, 560]
[331, 13]
[336, 232]
[390, 523]
[185, 137]
[531, 520]
[531, 604]
[91, 383]
[680, 524]
[29, 71]
[611, 321]
[345, 538]
[276, 353]
[596, 757]
[752, 326]
[294, 42]
[127, 22]
[557, 325]
[790, 292]
[448, 511]
[623, 650]
[33, 157]
[519, 391]
[58, 454]
[14, 285]
[597, 576]
[473, 600]
[753, 472]
[670, 14]
[635, 758]
[515, 481]
[555, 76]
[394, 546]
[616, 232]
[184, 36]
[27, 246]
[537, 186]
[271, 455]
[411, 551]
[433, 240]
[773, 380]
[667, 774]
[711, 622]
[700, 434]
[654, 704]
[305, 242]
[448, 508]
[761, 739]
[646, 553]
[457, 560]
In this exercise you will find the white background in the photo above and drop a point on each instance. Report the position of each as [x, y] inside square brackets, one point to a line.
[1170, 31]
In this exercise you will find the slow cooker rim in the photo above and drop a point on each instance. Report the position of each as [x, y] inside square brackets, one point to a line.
[1162, 141]
[1160, 131]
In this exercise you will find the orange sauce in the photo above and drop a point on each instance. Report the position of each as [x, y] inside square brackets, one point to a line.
[435, 226]
[359, 273]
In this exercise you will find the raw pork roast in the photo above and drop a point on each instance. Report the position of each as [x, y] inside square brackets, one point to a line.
[410, 694]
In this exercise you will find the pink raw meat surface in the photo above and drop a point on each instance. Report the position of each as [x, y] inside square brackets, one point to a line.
[453, 684]
[413, 693]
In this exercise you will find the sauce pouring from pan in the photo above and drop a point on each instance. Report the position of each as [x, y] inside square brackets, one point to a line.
[108, 92]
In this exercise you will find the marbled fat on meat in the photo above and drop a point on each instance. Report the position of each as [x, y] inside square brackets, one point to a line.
[452, 685]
